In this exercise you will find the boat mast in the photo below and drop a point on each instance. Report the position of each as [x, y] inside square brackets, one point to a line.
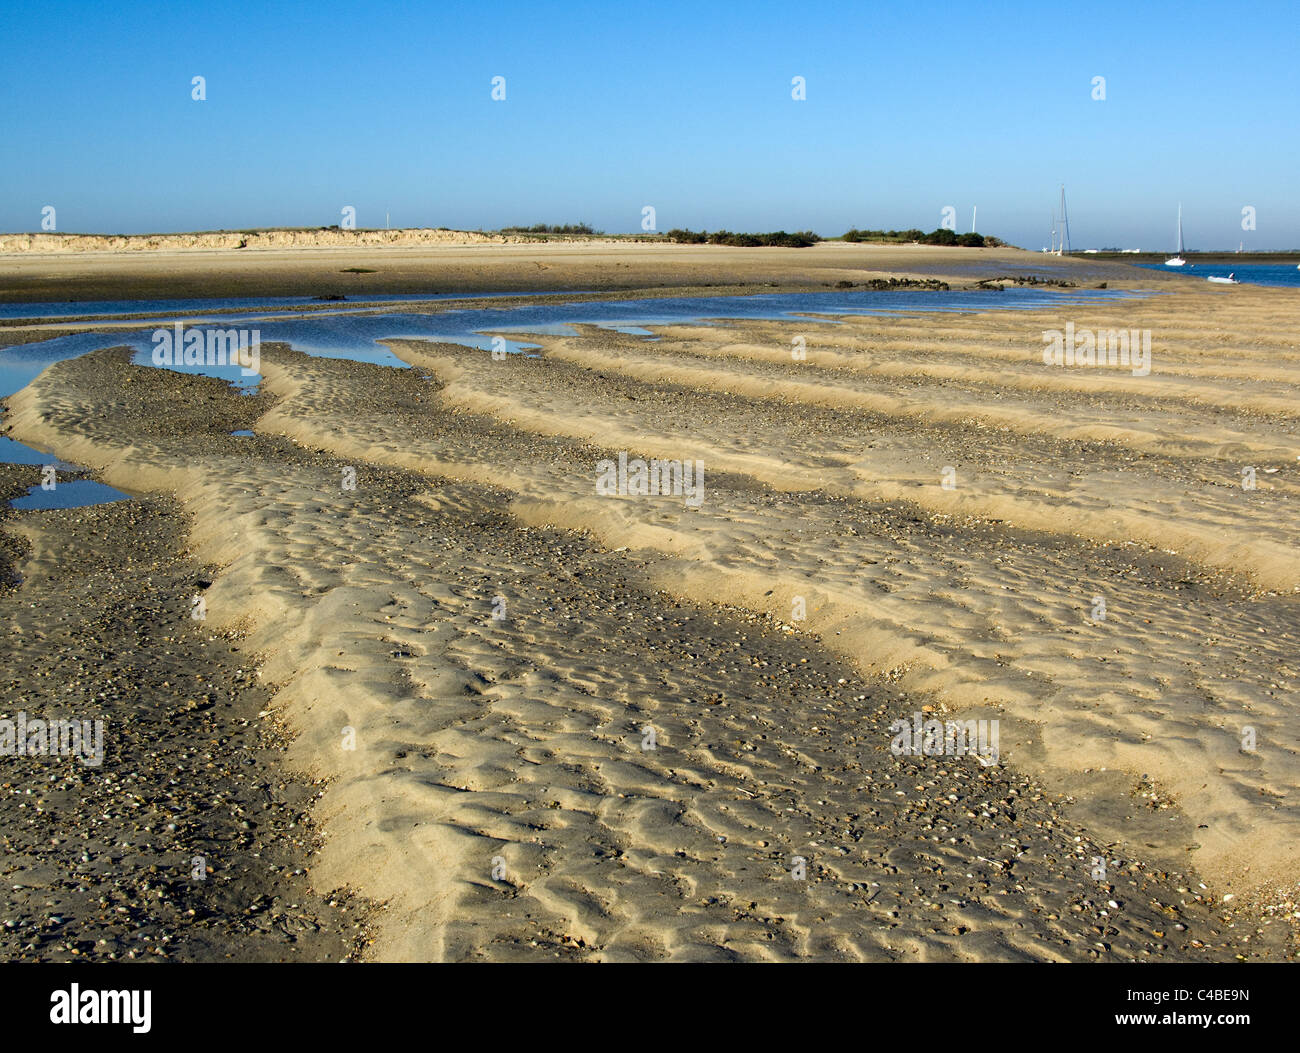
[1065, 224]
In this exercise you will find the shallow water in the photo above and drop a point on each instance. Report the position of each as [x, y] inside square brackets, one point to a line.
[353, 333]
[75, 493]
[14, 452]
[22, 364]
[73, 308]
[1276, 274]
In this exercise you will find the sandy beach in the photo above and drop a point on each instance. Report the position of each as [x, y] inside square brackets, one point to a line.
[503, 715]
[471, 263]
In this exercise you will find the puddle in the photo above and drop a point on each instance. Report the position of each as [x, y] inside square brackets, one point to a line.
[14, 452]
[235, 376]
[75, 493]
[243, 434]
[630, 330]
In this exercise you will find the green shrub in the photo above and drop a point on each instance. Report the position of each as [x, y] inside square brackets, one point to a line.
[800, 239]
[581, 229]
[894, 236]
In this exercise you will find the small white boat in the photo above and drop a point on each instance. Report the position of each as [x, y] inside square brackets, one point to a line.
[1176, 260]
[1231, 279]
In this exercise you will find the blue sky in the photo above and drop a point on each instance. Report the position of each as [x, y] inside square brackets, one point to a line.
[683, 106]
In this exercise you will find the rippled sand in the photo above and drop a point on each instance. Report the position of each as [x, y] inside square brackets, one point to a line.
[494, 638]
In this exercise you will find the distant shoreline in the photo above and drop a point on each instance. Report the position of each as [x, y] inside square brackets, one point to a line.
[272, 238]
[330, 265]
[1292, 257]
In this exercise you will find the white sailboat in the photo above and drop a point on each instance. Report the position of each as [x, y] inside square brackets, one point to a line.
[1177, 259]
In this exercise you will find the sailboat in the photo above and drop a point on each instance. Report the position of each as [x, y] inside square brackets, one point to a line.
[1177, 259]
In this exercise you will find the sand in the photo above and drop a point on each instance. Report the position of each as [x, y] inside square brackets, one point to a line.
[502, 266]
[249, 241]
[102, 863]
[487, 778]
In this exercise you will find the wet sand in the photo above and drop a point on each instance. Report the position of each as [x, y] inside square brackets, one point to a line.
[189, 841]
[469, 647]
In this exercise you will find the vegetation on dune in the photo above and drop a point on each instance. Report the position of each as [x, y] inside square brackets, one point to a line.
[579, 229]
[800, 239]
[884, 235]
[803, 238]
[941, 236]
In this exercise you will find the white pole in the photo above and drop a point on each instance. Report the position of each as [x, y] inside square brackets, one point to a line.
[973, 210]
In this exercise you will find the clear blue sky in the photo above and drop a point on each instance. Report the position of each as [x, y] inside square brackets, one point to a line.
[685, 106]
